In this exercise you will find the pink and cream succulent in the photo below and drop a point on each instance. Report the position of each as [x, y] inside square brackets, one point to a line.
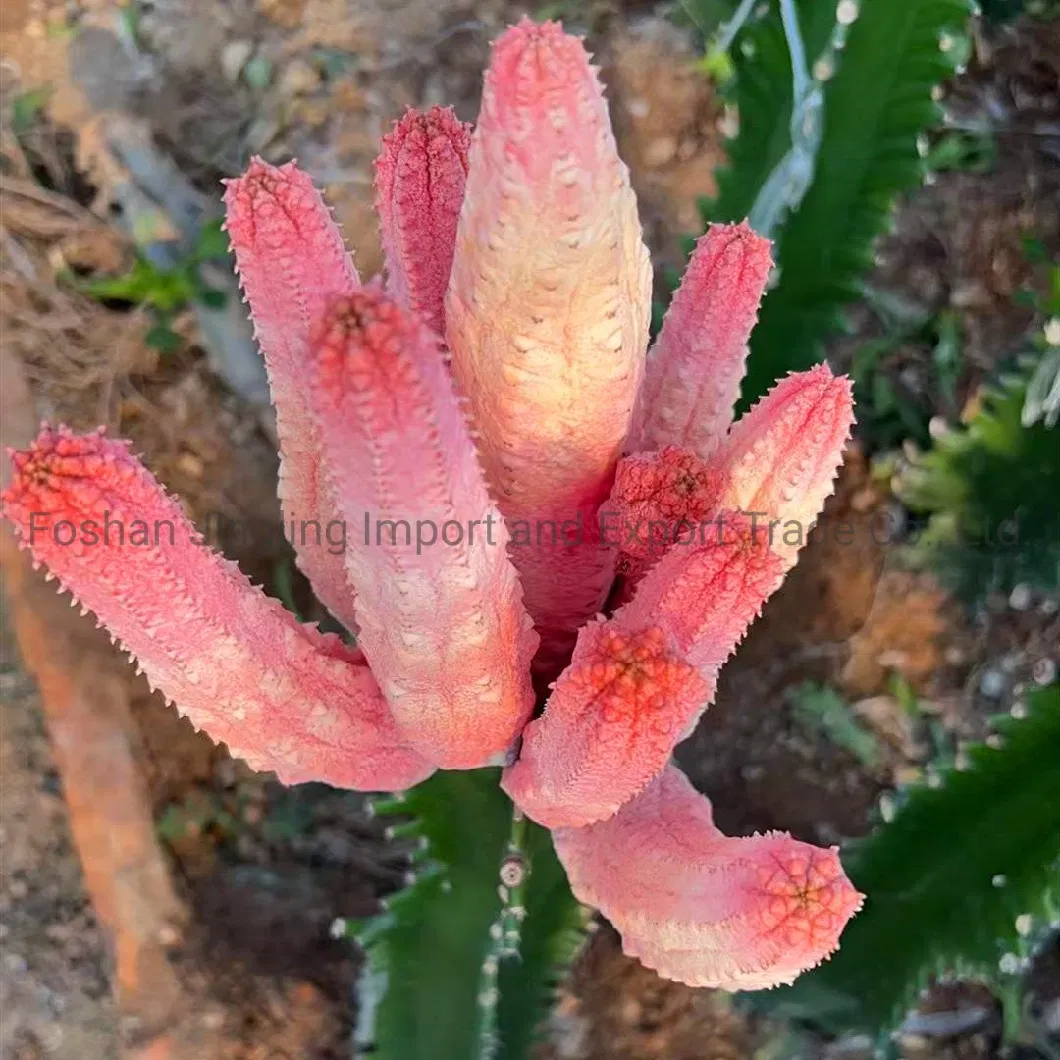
[500, 381]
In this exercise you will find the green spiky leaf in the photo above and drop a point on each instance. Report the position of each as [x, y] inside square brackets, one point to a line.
[875, 106]
[818, 708]
[990, 490]
[763, 97]
[437, 980]
[947, 879]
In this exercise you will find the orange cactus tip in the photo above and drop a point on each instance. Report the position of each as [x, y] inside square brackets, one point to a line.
[538, 64]
[281, 695]
[694, 369]
[807, 899]
[705, 908]
[782, 458]
[659, 499]
[362, 344]
[268, 204]
[609, 727]
[65, 476]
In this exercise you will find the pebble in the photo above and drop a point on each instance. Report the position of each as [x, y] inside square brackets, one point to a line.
[992, 684]
[849, 1046]
[234, 57]
[298, 79]
[1021, 598]
[1044, 672]
[1050, 1018]
[660, 151]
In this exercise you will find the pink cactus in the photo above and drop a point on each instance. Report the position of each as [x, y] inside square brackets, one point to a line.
[548, 310]
[703, 907]
[519, 257]
[420, 178]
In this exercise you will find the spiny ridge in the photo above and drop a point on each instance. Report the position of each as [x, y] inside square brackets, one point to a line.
[693, 374]
[609, 726]
[420, 176]
[291, 260]
[782, 457]
[282, 696]
[707, 592]
[442, 620]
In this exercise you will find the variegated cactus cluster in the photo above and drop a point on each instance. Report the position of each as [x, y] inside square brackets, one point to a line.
[499, 382]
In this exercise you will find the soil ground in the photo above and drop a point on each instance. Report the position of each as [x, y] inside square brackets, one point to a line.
[266, 870]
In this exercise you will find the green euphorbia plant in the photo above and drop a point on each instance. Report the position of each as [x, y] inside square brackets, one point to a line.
[552, 539]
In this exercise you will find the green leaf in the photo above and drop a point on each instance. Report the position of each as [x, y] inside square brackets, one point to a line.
[990, 491]
[822, 709]
[438, 981]
[875, 106]
[210, 298]
[211, 243]
[163, 338]
[26, 108]
[947, 879]
[146, 284]
[763, 97]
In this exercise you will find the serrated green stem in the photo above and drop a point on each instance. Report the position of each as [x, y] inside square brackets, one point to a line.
[515, 870]
[792, 176]
[800, 74]
[506, 931]
[790, 180]
[387, 805]
[727, 33]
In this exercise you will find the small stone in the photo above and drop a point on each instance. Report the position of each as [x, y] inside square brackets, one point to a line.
[1050, 1018]
[213, 1019]
[169, 936]
[992, 684]
[191, 465]
[1044, 672]
[234, 57]
[970, 295]
[850, 1047]
[1021, 598]
[660, 152]
[299, 79]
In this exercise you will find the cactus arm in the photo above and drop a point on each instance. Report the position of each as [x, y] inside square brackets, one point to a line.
[462, 963]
